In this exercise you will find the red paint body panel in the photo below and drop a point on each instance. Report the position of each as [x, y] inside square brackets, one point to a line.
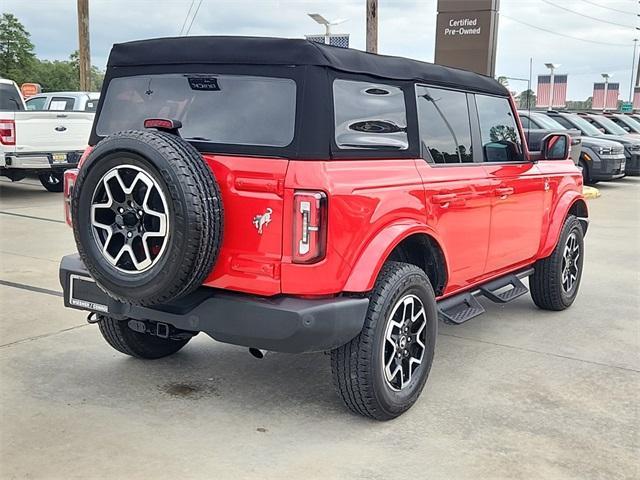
[249, 262]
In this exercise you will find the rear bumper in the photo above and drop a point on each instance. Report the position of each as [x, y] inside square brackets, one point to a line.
[282, 324]
[40, 161]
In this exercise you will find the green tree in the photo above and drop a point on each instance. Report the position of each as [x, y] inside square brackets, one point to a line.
[16, 50]
[527, 99]
[504, 81]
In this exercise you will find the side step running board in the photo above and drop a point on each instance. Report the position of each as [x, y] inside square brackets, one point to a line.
[464, 306]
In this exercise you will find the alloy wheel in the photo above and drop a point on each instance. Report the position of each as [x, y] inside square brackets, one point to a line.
[129, 219]
[404, 342]
[570, 263]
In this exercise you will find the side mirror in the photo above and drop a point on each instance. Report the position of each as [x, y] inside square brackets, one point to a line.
[556, 146]
[602, 130]
[502, 151]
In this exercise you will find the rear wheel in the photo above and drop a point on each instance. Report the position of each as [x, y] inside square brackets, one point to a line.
[140, 345]
[52, 181]
[381, 372]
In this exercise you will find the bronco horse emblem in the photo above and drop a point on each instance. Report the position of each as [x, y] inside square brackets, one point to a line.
[263, 220]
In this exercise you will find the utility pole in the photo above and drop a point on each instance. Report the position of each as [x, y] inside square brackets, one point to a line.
[84, 52]
[372, 26]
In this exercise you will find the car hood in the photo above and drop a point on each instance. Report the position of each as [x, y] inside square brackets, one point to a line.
[599, 142]
[626, 140]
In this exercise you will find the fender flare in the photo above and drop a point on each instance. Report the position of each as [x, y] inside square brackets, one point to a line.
[558, 216]
[372, 257]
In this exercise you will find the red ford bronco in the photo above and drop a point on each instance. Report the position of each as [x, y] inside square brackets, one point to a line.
[289, 196]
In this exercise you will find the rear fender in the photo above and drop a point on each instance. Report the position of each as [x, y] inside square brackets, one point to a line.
[557, 219]
[366, 269]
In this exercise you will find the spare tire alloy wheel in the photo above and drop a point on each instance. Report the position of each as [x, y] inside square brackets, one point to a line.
[129, 216]
[147, 217]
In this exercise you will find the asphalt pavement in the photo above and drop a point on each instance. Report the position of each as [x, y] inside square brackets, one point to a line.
[517, 393]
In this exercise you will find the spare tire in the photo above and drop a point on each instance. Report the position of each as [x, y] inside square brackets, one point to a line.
[147, 217]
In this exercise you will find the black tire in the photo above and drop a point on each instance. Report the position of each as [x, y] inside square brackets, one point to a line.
[140, 345]
[357, 367]
[52, 181]
[546, 283]
[586, 174]
[195, 216]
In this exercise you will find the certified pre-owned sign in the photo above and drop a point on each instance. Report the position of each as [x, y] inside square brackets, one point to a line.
[463, 26]
[467, 34]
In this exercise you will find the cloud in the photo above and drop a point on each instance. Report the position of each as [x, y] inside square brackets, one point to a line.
[407, 28]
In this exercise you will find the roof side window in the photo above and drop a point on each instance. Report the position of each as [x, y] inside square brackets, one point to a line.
[36, 103]
[369, 116]
[445, 130]
[499, 131]
[61, 104]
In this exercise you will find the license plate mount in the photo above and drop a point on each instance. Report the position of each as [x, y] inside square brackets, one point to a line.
[84, 293]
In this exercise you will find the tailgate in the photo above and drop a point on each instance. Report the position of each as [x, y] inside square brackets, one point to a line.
[44, 131]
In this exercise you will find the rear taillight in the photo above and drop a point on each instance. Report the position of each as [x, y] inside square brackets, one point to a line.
[7, 132]
[309, 226]
[70, 177]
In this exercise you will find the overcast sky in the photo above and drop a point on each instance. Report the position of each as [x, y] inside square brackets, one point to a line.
[407, 28]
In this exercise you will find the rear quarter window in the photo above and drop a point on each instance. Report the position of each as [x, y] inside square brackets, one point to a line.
[369, 116]
[223, 109]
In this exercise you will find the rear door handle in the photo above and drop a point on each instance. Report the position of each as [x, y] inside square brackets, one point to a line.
[504, 192]
[445, 199]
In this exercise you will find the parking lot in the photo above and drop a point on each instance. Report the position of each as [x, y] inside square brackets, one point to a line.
[516, 393]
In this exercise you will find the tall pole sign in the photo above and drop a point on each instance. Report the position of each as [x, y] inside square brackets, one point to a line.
[467, 34]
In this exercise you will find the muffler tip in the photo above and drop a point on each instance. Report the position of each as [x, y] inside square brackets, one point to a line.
[258, 353]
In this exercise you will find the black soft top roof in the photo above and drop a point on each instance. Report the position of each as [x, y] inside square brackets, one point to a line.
[281, 51]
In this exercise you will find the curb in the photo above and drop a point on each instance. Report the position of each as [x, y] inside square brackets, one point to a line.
[590, 192]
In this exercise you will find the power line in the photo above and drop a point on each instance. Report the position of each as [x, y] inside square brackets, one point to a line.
[607, 8]
[184, 24]
[562, 34]
[195, 14]
[589, 17]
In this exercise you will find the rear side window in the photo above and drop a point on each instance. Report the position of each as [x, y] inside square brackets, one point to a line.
[445, 130]
[61, 104]
[9, 98]
[224, 109]
[500, 137]
[369, 116]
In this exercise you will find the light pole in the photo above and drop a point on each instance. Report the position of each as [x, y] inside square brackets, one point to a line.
[633, 64]
[327, 25]
[552, 67]
[606, 77]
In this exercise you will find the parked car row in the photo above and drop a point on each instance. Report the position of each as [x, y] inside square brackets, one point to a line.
[610, 142]
[45, 135]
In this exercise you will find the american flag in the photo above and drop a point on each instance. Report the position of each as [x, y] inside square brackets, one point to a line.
[613, 91]
[559, 91]
[636, 98]
[336, 39]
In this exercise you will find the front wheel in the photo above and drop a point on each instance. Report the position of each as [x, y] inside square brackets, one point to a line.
[52, 181]
[381, 372]
[556, 279]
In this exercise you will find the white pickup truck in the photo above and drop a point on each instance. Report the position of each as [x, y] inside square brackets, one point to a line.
[44, 143]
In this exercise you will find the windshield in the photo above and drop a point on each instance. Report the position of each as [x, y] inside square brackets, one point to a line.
[548, 122]
[609, 125]
[630, 122]
[586, 128]
[224, 109]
